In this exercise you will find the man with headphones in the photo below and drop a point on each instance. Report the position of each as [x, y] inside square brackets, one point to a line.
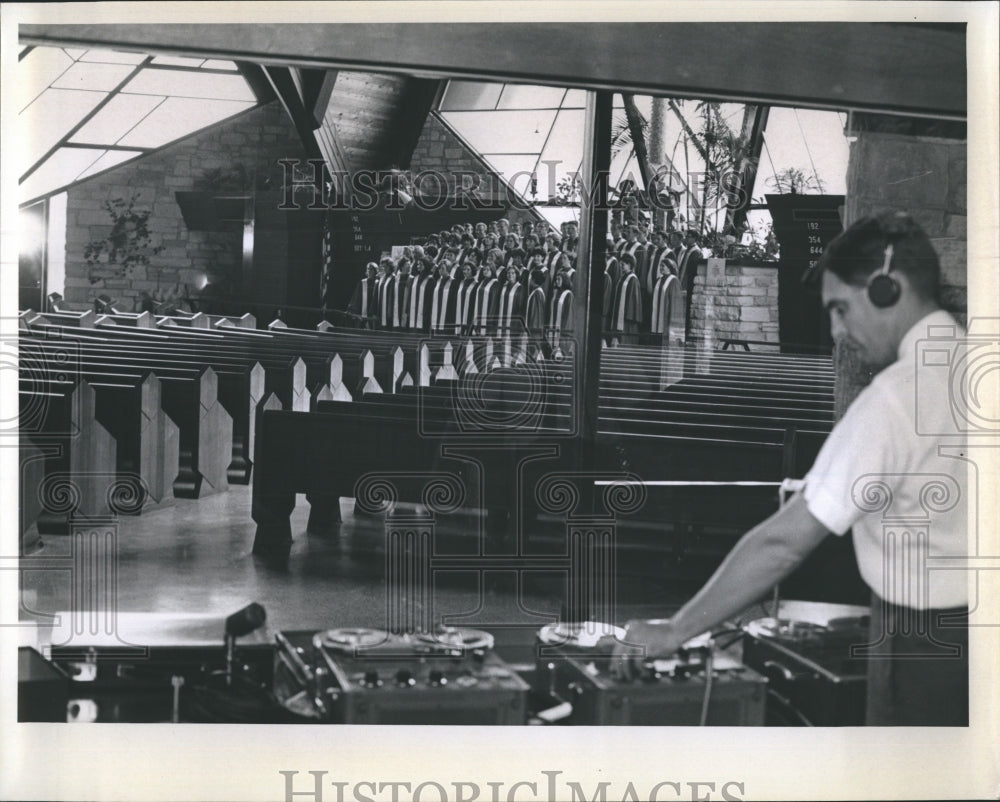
[880, 286]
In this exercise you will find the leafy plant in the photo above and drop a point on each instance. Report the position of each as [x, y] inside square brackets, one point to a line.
[129, 243]
[794, 181]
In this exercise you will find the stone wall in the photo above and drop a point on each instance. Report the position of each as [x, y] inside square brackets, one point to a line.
[926, 177]
[896, 164]
[190, 259]
[735, 301]
[440, 151]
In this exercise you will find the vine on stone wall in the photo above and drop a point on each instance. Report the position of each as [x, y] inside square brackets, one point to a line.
[127, 246]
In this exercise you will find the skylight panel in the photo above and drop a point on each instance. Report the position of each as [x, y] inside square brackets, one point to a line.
[37, 70]
[113, 57]
[218, 64]
[51, 117]
[178, 117]
[60, 169]
[108, 160]
[116, 119]
[192, 84]
[503, 131]
[515, 96]
[178, 61]
[470, 95]
[95, 77]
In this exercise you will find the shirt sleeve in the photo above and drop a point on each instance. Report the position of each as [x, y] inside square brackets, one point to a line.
[864, 444]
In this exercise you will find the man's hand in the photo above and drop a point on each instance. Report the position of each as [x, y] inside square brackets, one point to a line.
[643, 641]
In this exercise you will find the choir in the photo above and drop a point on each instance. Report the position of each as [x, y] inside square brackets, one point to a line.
[507, 277]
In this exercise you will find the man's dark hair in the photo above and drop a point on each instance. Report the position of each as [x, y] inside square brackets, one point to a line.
[537, 277]
[627, 259]
[860, 251]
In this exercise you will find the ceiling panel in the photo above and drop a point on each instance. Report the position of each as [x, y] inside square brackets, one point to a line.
[51, 117]
[113, 57]
[116, 119]
[177, 117]
[61, 168]
[96, 77]
[178, 61]
[181, 83]
[37, 70]
[108, 160]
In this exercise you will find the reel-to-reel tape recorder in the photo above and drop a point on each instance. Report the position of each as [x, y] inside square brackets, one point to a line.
[696, 686]
[370, 676]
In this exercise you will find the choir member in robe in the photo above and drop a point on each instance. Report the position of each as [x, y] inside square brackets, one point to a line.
[534, 311]
[465, 297]
[480, 232]
[617, 238]
[511, 304]
[667, 310]
[567, 267]
[571, 240]
[552, 252]
[515, 259]
[387, 269]
[612, 268]
[511, 243]
[395, 294]
[486, 299]
[687, 268]
[417, 300]
[626, 307]
[443, 302]
[560, 318]
[364, 301]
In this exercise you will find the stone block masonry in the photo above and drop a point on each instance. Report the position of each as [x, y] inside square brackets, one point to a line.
[735, 301]
[191, 258]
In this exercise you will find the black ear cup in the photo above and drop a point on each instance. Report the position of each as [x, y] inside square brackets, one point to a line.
[883, 290]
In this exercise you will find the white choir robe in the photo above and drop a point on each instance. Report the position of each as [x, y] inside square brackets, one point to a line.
[484, 300]
[668, 310]
[440, 304]
[397, 300]
[560, 315]
[510, 306]
[464, 301]
[383, 301]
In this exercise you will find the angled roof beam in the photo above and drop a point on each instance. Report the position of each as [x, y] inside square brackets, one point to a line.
[284, 87]
[411, 114]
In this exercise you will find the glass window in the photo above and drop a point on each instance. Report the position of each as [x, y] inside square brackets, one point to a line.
[51, 117]
[109, 160]
[177, 117]
[503, 131]
[37, 70]
[470, 95]
[113, 57]
[515, 96]
[178, 61]
[189, 84]
[218, 64]
[59, 170]
[116, 119]
[97, 77]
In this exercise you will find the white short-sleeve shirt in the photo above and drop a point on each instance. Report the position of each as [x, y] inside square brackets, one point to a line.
[894, 470]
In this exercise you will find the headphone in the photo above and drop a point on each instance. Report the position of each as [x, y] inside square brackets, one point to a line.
[883, 289]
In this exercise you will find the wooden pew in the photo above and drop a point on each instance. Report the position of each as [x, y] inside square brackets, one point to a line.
[80, 454]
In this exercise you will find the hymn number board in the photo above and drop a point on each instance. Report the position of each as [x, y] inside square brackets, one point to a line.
[804, 226]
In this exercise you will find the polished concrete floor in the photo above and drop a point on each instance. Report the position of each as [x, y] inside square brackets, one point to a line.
[194, 557]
